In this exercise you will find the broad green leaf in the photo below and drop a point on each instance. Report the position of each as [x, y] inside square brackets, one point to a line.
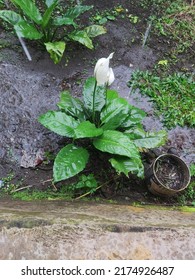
[59, 123]
[111, 94]
[63, 20]
[128, 165]
[56, 50]
[88, 93]
[81, 37]
[115, 142]
[95, 30]
[71, 105]
[25, 30]
[10, 16]
[50, 2]
[77, 11]
[29, 9]
[135, 133]
[47, 15]
[87, 129]
[134, 116]
[69, 161]
[114, 113]
[148, 140]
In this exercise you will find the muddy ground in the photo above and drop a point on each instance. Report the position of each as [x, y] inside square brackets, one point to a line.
[30, 88]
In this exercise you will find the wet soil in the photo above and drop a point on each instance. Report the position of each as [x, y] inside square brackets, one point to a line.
[30, 88]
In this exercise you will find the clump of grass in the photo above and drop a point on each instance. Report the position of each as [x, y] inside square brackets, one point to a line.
[177, 24]
[173, 96]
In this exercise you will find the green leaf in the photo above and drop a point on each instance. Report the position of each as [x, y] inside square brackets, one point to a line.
[10, 16]
[56, 50]
[25, 30]
[29, 9]
[47, 15]
[148, 140]
[115, 142]
[100, 97]
[128, 165]
[111, 94]
[95, 30]
[77, 11]
[71, 105]
[69, 161]
[114, 113]
[50, 2]
[87, 129]
[63, 20]
[81, 37]
[59, 123]
[135, 116]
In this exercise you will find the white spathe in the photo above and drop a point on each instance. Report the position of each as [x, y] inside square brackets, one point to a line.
[102, 72]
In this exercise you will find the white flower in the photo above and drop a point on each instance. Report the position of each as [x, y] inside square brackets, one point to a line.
[102, 72]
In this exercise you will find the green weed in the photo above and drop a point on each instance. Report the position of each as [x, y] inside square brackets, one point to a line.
[173, 96]
[108, 15]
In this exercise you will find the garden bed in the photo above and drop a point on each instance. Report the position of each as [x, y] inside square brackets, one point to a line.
[30, 88]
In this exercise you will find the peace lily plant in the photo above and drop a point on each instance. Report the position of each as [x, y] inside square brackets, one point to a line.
[109, 123]
[50, 29]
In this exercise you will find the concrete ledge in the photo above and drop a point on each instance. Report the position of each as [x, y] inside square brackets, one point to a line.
[63, 230]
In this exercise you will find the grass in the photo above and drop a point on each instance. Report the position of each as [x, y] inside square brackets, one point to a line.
[173, 21]
[173, 96]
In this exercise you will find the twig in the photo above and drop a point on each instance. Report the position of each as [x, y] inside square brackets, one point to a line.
[50, 180]
[85, 194]
[22, 188]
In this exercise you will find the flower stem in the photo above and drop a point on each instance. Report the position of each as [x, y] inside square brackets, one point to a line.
[93, 110]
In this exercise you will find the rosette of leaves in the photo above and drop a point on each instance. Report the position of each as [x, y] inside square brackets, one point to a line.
[52, 31]
[110, 124]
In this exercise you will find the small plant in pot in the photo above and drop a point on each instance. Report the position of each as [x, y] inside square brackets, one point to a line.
[106, 121]
[51, 30]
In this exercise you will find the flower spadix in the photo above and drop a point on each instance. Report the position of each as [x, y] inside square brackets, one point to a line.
[103, 73]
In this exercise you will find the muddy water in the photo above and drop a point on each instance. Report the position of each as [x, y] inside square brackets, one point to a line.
[61, 230]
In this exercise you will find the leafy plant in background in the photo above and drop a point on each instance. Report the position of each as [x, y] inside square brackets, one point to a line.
[173, 96]
[105, 122]
[52, 31]
[108, 15]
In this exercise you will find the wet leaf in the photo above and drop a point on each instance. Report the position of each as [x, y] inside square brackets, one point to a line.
[28, 31]
[115, 142]
[95, 30]
[69, 161]
[81, 37]
[56, 50]
[114, 113]
[87, 129]
[59, 123]
[29, 9]
[100, 97]
[71, 105]
[128, 165]
[48, 13]
[10, 16]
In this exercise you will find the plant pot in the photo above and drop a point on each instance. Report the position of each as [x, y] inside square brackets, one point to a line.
[168, 175]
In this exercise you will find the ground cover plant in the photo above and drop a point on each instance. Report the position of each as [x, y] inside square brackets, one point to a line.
[105, 121]
[173, 20]
[52, 31]
[173, 96]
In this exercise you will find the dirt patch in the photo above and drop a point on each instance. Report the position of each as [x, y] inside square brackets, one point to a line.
[28, 89]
